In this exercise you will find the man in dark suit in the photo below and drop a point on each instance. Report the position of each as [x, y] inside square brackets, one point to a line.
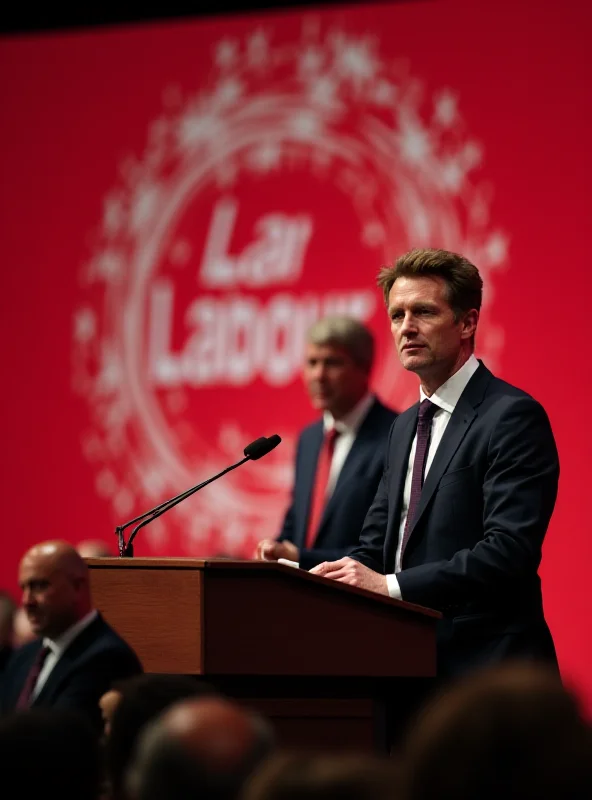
[78, 655]
[339, 459]
[467, 541]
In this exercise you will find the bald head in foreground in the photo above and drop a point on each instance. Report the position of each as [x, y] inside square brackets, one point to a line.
[206, 748]
[77, 655]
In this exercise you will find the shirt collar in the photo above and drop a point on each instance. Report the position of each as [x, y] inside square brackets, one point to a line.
[59, 645]
[351, 421]
[447, 395]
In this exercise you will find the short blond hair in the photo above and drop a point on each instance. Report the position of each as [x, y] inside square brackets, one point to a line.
[463, 281]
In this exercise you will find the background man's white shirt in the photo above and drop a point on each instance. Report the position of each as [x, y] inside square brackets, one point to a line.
[348, 427]
[58, 646]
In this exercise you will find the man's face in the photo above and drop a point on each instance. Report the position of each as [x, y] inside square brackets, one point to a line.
[334, 382]
[428, 339]
[50, 597]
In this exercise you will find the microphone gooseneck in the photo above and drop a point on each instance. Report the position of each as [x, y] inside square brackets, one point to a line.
[253, 451]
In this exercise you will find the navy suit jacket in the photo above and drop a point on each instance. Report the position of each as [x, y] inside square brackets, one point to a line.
[354, 491]
[84, 672]
[475, 544]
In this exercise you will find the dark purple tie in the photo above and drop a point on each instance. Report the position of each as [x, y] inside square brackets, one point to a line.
[424, 428]
[24, 700]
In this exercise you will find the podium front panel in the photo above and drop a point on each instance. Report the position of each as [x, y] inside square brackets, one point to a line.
[157, 610]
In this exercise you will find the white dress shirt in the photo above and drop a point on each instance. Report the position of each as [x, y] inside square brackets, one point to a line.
[348, 427]
[57, 648]
[445, 397]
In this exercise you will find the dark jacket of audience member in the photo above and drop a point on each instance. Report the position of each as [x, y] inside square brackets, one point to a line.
[301, 776]
[76, 655]
[7, 612]
[96, 658]
[49, 753]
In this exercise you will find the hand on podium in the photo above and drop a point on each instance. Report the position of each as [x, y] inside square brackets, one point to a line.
[270, 550]
[346, 570]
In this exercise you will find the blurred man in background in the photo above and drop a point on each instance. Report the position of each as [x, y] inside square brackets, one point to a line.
[22, 631]
[77, 655]
[340, 458]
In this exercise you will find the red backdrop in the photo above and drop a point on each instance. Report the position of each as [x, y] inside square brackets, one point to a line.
[179, 202]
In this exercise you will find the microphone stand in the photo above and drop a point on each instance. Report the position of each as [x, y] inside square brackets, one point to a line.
[126, 549]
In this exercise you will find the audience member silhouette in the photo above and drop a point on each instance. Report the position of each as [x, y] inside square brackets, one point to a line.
[141, 700]
[205, 748]
[513, 731]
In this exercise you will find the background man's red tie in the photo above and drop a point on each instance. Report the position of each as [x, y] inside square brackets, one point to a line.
[24, 700]
[319, 492]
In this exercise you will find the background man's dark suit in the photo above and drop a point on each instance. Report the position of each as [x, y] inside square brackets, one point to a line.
[475, 545]
[354, 491]
[84, 672]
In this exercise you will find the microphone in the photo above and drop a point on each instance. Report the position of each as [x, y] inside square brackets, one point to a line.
[261, 447]
[252, 452]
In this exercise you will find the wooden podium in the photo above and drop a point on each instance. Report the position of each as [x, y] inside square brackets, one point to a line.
[318, 658]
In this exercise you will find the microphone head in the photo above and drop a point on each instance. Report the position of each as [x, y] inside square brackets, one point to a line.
[273, 441]
[261, 447]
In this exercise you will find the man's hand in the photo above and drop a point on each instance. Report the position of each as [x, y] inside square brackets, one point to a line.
[346, 570]
[270, 550]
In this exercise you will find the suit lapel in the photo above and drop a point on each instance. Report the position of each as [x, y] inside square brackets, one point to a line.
[72, 653]
[25, 665]
[398, 460]
[361, 448]
[461, 420]
[459, 424]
